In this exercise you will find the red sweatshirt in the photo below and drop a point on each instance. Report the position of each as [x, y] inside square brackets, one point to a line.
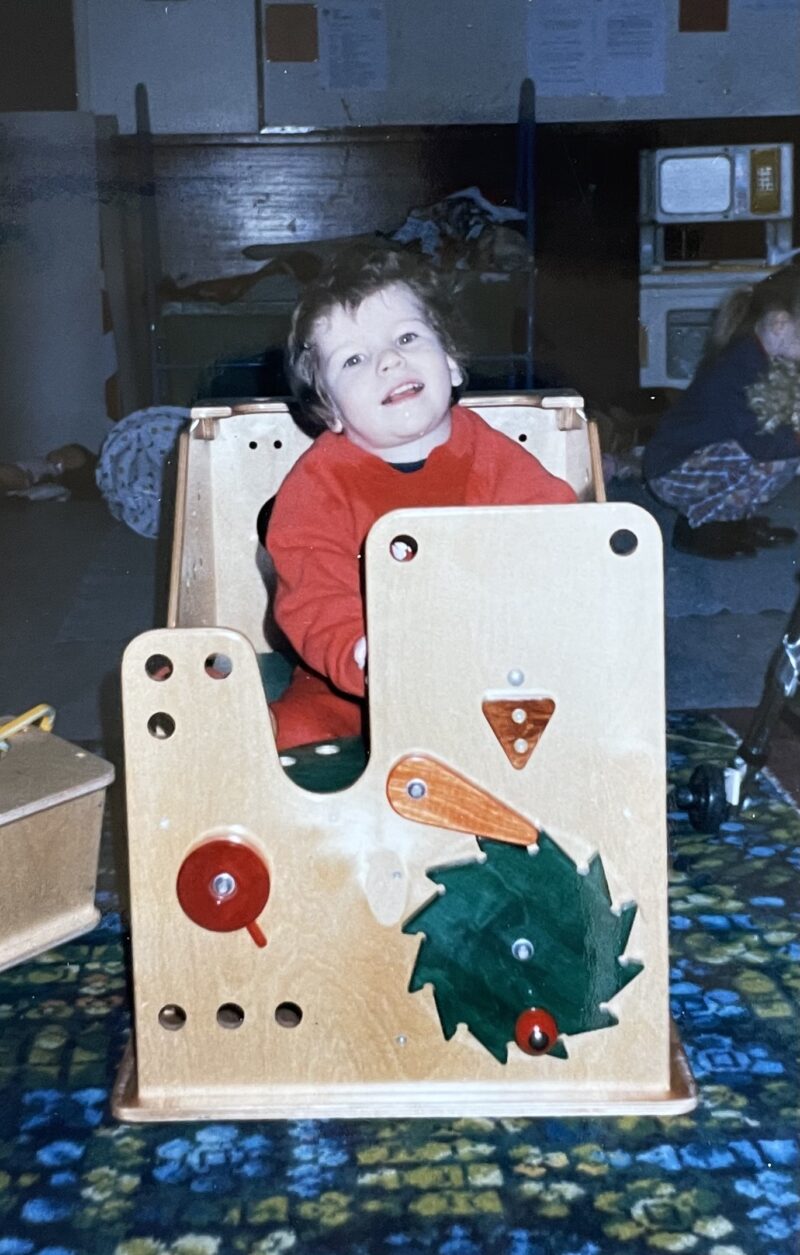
[322, 514]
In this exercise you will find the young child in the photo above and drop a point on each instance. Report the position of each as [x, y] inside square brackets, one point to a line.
[731, 442]
[373, 365]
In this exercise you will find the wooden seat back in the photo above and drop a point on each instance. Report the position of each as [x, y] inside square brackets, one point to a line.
[233, 459]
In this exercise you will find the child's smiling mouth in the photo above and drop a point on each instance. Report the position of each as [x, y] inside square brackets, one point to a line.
[403, 392]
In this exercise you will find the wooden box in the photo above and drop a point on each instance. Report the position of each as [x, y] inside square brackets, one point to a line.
[51, 809]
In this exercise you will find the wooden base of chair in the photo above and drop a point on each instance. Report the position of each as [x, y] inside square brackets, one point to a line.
[354, 1101]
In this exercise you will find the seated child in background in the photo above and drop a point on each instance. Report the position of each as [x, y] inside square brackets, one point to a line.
[731, 442]
[373, 365]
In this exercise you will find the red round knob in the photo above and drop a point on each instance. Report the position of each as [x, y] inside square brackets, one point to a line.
[224, 885]
[536, 1031]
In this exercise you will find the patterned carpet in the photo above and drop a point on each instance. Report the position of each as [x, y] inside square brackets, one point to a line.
[723, 1181]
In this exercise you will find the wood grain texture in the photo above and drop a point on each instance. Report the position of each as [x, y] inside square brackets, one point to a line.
[518, 723]
[346, 869]
[430, 792]
[220, 572]
[217, 195]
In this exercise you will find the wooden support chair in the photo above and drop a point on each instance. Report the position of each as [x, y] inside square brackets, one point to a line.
[478, 924]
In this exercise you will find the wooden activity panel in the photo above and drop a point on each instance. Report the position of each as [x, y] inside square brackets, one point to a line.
[51, 809]
[478, 923]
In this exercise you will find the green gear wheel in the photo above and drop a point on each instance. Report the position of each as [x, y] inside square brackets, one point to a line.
[474, 930]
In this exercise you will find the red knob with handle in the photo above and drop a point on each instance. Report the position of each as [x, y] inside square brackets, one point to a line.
[223, 885]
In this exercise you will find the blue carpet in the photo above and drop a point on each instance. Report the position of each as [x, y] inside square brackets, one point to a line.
[722, 1181]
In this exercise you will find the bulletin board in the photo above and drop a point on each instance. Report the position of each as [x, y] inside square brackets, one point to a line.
[247, 65]
[373, 62]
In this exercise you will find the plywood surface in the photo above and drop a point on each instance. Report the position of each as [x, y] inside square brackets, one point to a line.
[536, 592]
[221, 573]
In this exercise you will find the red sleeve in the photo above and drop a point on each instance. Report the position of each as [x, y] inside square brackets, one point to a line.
[514, 477]
[317, 601]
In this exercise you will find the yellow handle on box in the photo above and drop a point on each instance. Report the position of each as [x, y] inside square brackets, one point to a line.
[42, 714]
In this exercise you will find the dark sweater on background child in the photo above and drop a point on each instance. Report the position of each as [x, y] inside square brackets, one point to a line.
[715, 408]
[730, 445]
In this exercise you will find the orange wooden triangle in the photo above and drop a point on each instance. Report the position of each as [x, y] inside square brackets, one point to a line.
[518, 723]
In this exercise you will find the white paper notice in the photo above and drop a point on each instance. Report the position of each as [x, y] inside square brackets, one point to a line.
[631, 48]
[353, 45]
[597, 47]
[561, 47]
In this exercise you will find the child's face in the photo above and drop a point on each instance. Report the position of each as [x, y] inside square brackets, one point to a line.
[386, 375]
[791, 344]
[779, 333]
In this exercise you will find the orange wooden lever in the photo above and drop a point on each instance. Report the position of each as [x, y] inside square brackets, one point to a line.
[429, 792]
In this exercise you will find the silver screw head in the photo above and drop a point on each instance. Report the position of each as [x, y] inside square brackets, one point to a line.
[416, 789]
[223, 885]
[522, 949]
[539, 1039]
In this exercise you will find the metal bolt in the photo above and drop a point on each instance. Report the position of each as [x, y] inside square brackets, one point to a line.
[520, 745]
[539, 1039]
[522, 949]
[518, 715]
[223, 885]
[416, 789]
[516, 677]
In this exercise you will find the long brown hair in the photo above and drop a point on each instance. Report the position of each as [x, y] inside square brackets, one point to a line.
[746, 306]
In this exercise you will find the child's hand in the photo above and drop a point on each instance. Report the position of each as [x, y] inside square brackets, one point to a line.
[360, 652]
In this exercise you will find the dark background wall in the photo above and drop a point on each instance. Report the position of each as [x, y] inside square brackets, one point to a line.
[37, 55]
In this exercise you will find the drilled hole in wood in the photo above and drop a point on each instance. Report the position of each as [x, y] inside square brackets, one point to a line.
[623, 542]
[404, 548]
[161, 725]
[159, 667]
[230, 1015]
[218, 666]
[288, 1014]
[172, 1017]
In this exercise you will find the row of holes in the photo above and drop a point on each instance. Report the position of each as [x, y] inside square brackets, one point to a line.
[159, 667]
[278, 444]
[230, 1015]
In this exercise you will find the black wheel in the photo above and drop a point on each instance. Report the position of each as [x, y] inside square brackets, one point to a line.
[704, 800]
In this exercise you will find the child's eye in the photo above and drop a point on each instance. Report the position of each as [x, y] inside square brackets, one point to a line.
[353, 360]
[407, 337]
